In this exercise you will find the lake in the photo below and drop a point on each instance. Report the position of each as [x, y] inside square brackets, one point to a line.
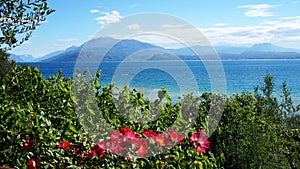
[180, 77]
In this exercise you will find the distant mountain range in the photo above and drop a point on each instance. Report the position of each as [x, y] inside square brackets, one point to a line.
[137, 50]
[21, 58]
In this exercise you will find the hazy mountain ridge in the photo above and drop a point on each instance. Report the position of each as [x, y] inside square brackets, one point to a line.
[137, 50]
[21, 58]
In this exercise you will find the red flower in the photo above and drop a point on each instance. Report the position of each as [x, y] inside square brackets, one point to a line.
[31, 164]
[27, 144]
[100, 149]
[91, 154]
[129, 133]
[115, 136]
[128, 158]
[65, 145]
[114, 146]
[200, 141]
[149, 133]
[139, 142]
[162, 140]
[175, 136]
[142, 151]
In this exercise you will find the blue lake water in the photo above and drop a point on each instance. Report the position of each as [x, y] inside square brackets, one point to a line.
[179, 77]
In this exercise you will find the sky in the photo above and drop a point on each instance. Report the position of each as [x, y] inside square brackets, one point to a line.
[229, 23]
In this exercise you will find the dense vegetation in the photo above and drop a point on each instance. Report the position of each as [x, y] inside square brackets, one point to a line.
[40, 126]
[76, 123]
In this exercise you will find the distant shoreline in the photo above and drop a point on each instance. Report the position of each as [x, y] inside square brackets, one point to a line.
[170, 60]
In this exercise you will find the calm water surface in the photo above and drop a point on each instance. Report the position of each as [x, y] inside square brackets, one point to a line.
[241, 75]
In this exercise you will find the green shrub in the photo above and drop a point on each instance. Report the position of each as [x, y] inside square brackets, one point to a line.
[252, 132]
[76, 123]
[40, 125]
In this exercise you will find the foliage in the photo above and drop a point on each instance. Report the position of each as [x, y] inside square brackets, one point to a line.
[40, 127]
[18, 18]
[39, 110]
[252, 132]
[76, 123]
[4, 65]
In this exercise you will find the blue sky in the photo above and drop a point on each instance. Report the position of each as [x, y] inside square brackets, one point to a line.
[234, 23]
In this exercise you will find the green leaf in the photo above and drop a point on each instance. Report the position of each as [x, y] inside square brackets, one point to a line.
[72, 128]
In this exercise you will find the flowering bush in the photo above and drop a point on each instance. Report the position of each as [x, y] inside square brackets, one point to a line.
[38, 115]
[200, 142]
[41, 129]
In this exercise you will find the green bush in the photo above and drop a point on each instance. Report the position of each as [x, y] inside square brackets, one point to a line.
[40, 127]
[76, 123]
[253, 134]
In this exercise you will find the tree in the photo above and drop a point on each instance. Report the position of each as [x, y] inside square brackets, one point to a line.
[18, 18]
[252, 132]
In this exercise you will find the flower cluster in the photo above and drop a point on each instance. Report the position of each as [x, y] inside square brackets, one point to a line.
[169, 138]
[127, 142]
[32, 164]
[98, 149]
[121, 142]
[200, 141]
[65, 145]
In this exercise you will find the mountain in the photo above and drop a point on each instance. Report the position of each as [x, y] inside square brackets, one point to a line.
[111, 49]
[257, 51]
[268, 47]
[68, 55]
[230, 49]
[20, 58]
[269, 51]
[48, 56]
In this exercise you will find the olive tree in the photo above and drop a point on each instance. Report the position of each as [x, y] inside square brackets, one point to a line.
[18, 18]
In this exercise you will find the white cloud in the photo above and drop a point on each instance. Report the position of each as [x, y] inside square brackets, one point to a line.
[134, 27]
[109, 17]
[268, 22]
[290, 17]
[94, 11]
[68, 40]
[281, 32]
[220, 24]
[258, 10]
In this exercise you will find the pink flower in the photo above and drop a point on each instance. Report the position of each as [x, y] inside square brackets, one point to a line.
[31, 164]
[175, 136]
[114, 146]
[149, 133]
[27, 144]
[142, 151]
[128, 158]
[65, 145]
[129, 133]
[115, 136]
[140, 142]
[100, 149]
[163, 140]
[200, 141]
